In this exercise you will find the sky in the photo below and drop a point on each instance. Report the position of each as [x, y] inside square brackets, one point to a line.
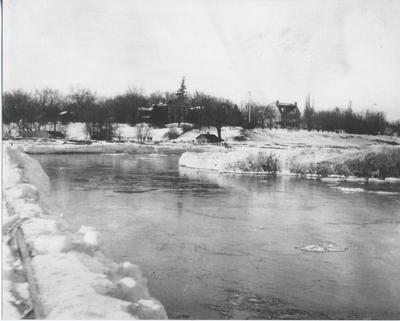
[266, 49]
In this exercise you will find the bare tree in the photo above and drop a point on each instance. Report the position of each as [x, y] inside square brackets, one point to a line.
[49, 105]
[19, 108]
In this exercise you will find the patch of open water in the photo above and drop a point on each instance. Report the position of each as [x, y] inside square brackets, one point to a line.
[217, 246]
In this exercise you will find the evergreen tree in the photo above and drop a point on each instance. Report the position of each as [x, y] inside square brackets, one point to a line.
[181, 99]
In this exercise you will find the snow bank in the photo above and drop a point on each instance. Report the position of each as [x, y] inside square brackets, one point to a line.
[77, 131]
[165, 134]
[222, 161]
[125, 132]
[313, 138]
[74, 279]
[376, 161]
[350, 189]
[160, 134]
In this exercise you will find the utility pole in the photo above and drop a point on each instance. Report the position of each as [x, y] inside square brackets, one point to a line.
[249, 107]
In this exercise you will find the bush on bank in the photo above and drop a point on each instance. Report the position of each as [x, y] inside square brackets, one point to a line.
[385, 163]
[381, 163]
[260, 162]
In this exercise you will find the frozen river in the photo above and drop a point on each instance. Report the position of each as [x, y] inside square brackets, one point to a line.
[215, 246]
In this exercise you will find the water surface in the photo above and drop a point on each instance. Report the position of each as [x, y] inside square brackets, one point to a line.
[223, 246]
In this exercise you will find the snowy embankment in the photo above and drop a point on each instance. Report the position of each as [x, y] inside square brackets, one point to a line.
[304, 138]
[69, 277]
[100, 147]
[342, 163]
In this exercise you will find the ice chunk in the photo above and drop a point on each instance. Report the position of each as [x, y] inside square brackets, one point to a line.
[128, 282]
[90, 236]
[146, 309]
[130, 270]
[384, 192]
[24, 208]
[313, 248]
[350, 189]
[130, 290]
[392, 179]
[37, 226]
[322, 248]
[27, 191]
[103, 285]
[53, 243]
[22, 290]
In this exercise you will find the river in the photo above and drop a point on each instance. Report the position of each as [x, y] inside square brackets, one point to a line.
[216, 246]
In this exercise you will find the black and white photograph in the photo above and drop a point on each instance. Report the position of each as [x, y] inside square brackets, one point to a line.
[200, 159]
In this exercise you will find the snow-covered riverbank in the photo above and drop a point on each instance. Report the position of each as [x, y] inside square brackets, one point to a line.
[341, 163]
[72, 278]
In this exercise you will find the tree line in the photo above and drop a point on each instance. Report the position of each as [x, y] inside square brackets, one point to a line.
[346, 120]
[32, 110]
[29, 110]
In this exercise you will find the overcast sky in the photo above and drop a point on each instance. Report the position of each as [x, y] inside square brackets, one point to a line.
[336, 50]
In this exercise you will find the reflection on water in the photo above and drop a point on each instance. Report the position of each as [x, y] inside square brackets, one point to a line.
[228, 246]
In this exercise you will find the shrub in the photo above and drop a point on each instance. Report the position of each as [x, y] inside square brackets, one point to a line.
[381, 164]
[239, 138]
[172, 134]
[259, 163]
[322, 169]
[186, 127]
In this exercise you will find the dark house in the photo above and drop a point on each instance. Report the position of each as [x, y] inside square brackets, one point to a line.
[287, 115]
[207, 138]
[145, 114]
[164, 112]
[66, 116]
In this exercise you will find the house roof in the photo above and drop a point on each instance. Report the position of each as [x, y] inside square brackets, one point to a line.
[145, 108]
[285, 108]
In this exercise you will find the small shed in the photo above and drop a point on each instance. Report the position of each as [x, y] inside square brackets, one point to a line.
[207, 138]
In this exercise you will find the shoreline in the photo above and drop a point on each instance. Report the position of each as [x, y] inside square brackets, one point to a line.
[339, 157]
[329, 178]
[101, 147]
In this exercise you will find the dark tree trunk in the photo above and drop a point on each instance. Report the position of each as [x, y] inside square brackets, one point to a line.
[219, 132]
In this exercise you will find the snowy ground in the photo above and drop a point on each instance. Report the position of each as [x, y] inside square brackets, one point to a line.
[313, 138]
[74, 279]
